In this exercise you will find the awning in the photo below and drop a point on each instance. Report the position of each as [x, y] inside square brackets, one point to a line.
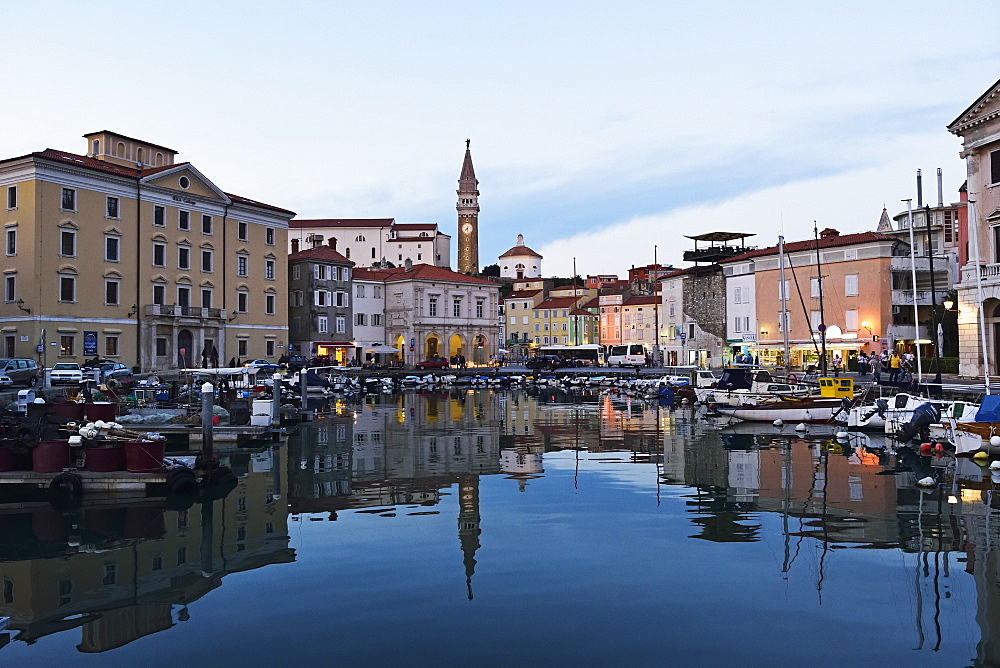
[382, 349]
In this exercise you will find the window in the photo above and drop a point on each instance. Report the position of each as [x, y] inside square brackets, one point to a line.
[10, 288]
[342, 299]
[995, 166]
[183, 298]
[161, 346]
[814, 287]
[737, 295]
[111, 292]
[377, 292]
[268, 351]
[68, 199]
[242, 301]
[67, 288]
[269, 236]
[691, 330]
[360, 290]
[786, 293]
[782, 321]
[851, 320]
[323, 324]
[183, 220]
[11, 241]
[479, 308]
[242, 262]
[183, 257]
[110, 346]
[456, 307]
[241, 231]
[206, 260]
[320, 298]
[269, 270]
[851, 285]
[159, 294]
[11, 197]
[513, 319]
[341, 324]
[243, 347]
[206, 224]
[67, 243]
[159, 254]
[269, 304]
[376, 319]
[206, 298]
[815, 320]
[159, 216]
[66, 344]
[296, 272]
[432, 306]
[111, 210]
[111, 246]
[359, 319]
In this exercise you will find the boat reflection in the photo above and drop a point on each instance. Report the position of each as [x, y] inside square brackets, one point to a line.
[123, 570]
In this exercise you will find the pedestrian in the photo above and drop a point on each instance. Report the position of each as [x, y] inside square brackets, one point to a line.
[232, 362]
[837, 364]
[894, 365]
[876, 365]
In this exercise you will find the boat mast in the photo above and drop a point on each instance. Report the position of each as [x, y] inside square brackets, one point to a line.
[783, 317]
[822, 316]
[913, 271]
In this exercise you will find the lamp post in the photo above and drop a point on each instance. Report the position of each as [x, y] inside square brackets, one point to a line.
[934, 309]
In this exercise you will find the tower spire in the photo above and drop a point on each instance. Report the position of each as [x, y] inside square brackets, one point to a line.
[468, 216]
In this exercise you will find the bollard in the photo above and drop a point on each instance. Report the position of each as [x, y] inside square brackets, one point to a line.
[207, 401]
[276, 400]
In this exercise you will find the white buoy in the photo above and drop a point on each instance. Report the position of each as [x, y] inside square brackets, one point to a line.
[801, 427]
[995, 441]
[842, 436]
[778, 423]
[995, 466]
[927, 482]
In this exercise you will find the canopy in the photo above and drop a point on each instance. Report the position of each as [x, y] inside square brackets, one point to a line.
[382, 349]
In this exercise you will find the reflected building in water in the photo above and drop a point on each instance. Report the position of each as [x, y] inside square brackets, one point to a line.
[120, 572]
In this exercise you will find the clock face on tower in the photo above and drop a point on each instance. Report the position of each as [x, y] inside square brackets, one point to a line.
[467, 228]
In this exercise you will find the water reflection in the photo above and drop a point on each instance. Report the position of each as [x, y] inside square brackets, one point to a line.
[122, 569]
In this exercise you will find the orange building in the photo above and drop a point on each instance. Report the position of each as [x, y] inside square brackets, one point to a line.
[856, 296]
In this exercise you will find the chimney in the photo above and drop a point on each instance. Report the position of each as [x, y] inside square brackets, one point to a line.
[333, 243]
[940, 189]
[920, 190]
[295, 245]
[829, 232]
[408, 265]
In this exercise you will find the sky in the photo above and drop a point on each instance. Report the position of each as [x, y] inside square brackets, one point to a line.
[604, 132]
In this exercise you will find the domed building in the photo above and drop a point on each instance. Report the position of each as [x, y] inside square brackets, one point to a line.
[520, 262]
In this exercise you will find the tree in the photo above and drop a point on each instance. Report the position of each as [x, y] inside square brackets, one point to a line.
[490, 270]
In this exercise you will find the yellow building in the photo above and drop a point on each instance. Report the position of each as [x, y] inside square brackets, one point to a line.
[124, 253]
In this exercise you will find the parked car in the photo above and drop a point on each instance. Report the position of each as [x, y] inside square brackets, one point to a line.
[540, 362]
[21, 370]
[433, 363]
[116, 370]
[5, 381]
[65, 373]
[262, 364]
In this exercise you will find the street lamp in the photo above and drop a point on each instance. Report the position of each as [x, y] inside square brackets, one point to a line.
[20, 304]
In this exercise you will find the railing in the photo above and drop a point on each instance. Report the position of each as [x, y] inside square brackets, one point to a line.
[990, 272]
[923, 297]
[180, 311]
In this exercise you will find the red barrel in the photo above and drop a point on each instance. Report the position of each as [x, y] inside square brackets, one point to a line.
[50, 456]
[69, 410]
[105, 459]
[101, 410]
[143, 456]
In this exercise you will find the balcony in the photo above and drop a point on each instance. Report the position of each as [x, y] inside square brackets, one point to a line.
[179, 311]
[990, 273]
[905, 297]
[905, 332]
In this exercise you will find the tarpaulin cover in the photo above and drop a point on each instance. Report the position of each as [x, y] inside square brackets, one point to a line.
[989, 409]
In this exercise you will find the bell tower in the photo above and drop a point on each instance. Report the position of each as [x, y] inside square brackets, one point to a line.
[468, 216]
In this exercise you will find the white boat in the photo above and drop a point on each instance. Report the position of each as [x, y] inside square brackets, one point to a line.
[792, 411]
[745, 386]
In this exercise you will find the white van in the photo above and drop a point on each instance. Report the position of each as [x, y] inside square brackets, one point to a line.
[629, 355]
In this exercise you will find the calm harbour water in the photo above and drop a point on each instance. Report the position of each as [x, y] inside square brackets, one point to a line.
[501, 528]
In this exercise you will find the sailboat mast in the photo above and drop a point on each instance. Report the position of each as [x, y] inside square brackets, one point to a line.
[913, 270]
[783, 317]
[822, 315]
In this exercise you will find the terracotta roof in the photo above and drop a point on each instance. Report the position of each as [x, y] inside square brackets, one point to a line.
[366, 274]
[128, 172]
[639, 301]
[558, 302]
[342, 222]
[520, 250]
[615, 289]
[593, 303]
[580, 311]
[522, 294]
[824, 242]
[320, 253]
[415, 226]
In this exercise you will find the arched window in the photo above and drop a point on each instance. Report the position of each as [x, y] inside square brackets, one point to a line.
[138, 156]
[348, 253]
[96, 150]
[159, 160]
[120, 149]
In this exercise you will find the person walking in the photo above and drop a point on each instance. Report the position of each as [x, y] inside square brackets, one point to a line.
[894, 365]
[876, 366]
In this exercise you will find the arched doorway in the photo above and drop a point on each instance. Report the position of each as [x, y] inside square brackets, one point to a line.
[432, 346]
[456, 346]
[184, 353]
[479, 349]
[400, 345]
[991, 310]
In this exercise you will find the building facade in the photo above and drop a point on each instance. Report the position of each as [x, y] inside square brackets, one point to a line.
[319, 305]
[124, 253]
[520, 262]
[979, 311]
[372, 242]
[468, 216]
